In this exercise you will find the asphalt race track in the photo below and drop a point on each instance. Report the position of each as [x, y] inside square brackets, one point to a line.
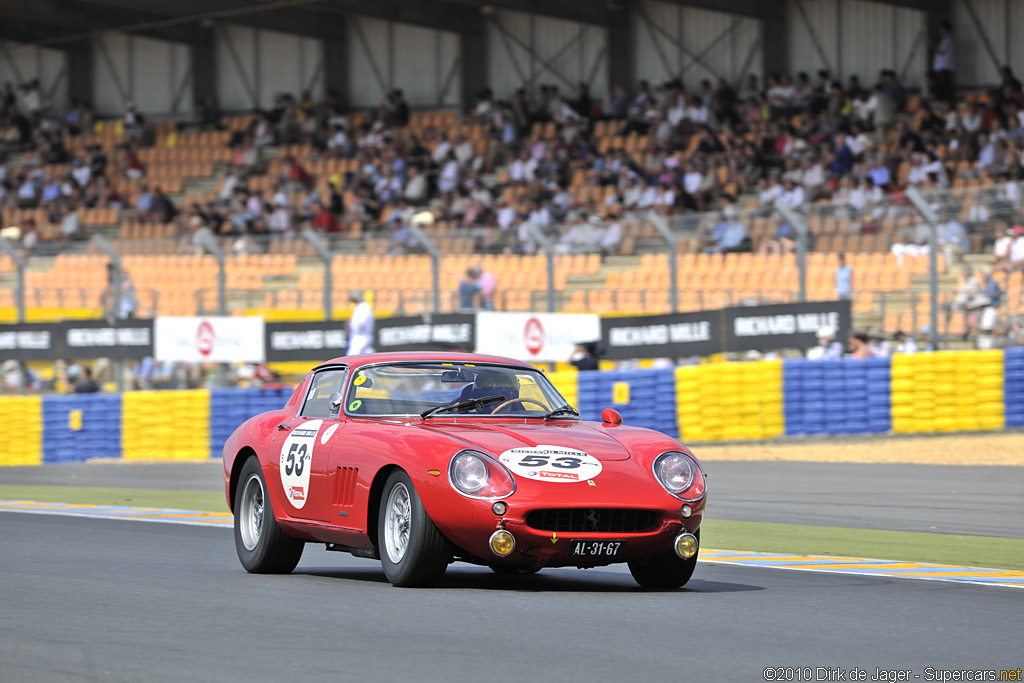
[981, 500]
[100, 600]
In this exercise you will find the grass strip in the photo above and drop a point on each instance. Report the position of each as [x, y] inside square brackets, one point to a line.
[911, 546]
[203, 501]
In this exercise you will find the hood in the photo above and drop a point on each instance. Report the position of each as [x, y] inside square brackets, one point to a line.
[496, 437]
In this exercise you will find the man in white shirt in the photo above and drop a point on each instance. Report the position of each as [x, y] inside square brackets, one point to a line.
[464, 151]
[415, 187]
[81, 173]
[794, 196]
[1011, 190]
[440, 154]
[1001, 250]
[539, 216]
[768, 192]
[677, 112]
[612, 237]
[648, 195]
[360, 325]
[504, 213]
[280, 220]
[828, 348]
[71, 225]
[904, 343]
[692, 180]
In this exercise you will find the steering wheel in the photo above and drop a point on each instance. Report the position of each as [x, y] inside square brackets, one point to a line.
[518, 400]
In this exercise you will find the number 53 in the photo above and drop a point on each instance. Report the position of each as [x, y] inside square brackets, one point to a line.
[564, 462]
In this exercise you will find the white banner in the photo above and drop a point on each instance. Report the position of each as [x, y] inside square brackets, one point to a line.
[218, 339]
[541, 337]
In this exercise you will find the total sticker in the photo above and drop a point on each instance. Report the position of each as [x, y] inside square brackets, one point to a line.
[328, 433]
[296, 454]
[551, 463]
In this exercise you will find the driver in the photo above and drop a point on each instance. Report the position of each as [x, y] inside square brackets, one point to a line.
[491, 383]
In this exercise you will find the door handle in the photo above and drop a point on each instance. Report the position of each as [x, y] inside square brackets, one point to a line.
[283, 426]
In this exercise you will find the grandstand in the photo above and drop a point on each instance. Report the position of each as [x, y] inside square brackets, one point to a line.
[672, 129]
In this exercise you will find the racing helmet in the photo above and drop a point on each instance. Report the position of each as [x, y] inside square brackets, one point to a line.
[495, 383]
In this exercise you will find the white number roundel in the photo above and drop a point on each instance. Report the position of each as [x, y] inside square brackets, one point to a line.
[296, 454]
[551, 463]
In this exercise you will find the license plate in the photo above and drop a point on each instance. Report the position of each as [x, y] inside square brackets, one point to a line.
[597, 549]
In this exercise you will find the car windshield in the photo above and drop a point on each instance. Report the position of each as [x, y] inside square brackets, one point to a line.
[436, 388]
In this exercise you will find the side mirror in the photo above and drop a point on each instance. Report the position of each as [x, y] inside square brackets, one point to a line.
[612, 417]
[335, 401]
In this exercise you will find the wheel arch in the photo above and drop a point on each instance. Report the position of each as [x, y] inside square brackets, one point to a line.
[236, 469]
[373, 502]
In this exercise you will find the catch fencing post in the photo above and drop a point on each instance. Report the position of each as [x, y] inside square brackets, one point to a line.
[435, 261]
[115, 261]
[210, 244]
[932, 219]
[548, 247]
[800, 227]
[673, 257]
[19, 287]
[328, 258]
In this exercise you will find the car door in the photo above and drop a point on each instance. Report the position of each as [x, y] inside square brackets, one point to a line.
[305, 452]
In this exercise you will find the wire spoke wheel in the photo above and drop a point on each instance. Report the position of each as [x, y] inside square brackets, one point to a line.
[412, 550]
[397, 523]
[251, 512]
[263, 546]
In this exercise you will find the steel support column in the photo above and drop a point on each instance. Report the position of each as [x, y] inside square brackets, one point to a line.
[473, 49]
[336, 65]
[204, 68]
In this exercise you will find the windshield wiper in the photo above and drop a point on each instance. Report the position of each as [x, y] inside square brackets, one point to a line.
[564, 410]
[458, 405]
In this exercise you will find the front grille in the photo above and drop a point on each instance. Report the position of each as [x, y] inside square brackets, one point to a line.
[606, 521]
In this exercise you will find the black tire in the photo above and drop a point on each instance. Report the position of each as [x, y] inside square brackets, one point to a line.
[272, 551]
[665, 570]
[426, 553]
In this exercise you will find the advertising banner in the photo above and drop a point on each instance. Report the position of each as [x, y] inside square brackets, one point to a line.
[80, 339]
[219, 339]
[29, 341]
[437, 332]
[785, 326]
[314, 341]
[540, 337]
[674, 335]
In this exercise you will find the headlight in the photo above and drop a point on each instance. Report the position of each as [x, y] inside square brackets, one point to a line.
[473, 474]
[469, 473]
[679, 474]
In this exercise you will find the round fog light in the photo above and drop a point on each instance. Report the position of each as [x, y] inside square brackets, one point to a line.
[503, 543]
[687, 512]
[686, 545]
[499, 508]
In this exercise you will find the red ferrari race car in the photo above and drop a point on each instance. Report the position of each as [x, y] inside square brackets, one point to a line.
[422, 459]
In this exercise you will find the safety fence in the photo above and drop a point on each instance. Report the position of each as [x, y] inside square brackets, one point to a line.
[945, 391]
